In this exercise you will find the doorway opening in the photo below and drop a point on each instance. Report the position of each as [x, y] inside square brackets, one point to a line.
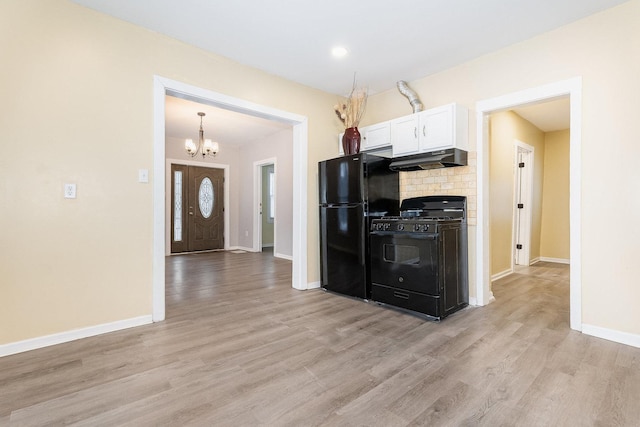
[164, 87]
[265, 196]
[573, 89]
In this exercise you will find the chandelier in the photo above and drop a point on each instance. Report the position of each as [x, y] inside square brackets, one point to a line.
[205, 146]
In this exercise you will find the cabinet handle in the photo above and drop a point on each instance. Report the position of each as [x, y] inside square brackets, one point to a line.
[415, 132]
[424, 130]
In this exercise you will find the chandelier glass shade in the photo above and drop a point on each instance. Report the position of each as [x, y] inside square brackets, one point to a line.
[206, 147]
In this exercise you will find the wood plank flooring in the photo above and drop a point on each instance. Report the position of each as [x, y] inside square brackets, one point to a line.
[240, 347]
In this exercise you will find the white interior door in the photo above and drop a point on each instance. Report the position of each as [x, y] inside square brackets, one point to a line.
[523, 203]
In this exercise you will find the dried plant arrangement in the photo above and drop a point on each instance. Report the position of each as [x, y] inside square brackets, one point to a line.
[351, 111]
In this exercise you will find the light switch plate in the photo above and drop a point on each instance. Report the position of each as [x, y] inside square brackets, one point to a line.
[69, 191]
[143, 175]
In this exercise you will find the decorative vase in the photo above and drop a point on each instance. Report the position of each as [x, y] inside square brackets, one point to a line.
[351, 141]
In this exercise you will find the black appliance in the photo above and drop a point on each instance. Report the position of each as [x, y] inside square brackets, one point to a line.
[419, 259]
[353, 190]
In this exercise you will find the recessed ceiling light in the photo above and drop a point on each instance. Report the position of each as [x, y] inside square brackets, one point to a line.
[339, 52]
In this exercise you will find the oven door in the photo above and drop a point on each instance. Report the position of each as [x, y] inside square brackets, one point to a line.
[406, 261]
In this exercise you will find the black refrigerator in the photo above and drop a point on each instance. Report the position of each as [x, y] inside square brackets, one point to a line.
[354, 189]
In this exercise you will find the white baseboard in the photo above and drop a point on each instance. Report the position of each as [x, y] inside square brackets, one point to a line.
[283, 256]
[500, 275]
[313, 285]
[474, 301]
[76, 334]
[267, 245]
[240, 248]
[534, 261]
[612, 335]
[556, 260]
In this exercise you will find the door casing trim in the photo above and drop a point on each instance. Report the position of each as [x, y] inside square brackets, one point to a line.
[163, 86]
[573, 88]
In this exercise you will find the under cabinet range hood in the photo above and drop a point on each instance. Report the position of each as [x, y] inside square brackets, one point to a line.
[432, 160]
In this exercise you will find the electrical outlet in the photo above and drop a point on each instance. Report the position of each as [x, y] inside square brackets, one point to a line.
[69, 191]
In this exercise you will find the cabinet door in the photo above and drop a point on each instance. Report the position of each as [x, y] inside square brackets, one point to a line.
[404, 135]
[376, 136]
[436, 128]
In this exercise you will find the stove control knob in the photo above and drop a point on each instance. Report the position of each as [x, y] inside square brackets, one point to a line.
[416, 227]
[386, 226]
[425, 227]
[400, 227]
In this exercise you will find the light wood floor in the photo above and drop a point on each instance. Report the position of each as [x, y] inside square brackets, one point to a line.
[240, 347]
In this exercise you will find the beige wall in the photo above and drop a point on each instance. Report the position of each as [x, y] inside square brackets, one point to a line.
[550, 209]
[77, 90]
[554, 233]
[505, 129]
[603, 50]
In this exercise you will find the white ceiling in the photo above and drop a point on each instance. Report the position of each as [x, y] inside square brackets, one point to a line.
[547, 116]
[387, 40]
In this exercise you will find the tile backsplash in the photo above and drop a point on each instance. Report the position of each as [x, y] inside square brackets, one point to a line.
[459, 181]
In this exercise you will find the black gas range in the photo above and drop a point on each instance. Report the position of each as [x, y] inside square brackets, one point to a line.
[423, 214]
[419, 258]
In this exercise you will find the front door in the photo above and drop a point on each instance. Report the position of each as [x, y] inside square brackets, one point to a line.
[197, 208]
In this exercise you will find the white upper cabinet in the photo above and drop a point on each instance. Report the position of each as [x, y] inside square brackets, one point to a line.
[444, 127]
[404, 135]
[376, 136]
[434, 129]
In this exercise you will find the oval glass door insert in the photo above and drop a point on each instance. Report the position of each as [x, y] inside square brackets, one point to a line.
[206, 197]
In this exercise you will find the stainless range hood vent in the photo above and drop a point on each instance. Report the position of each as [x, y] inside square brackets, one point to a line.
[432, 160]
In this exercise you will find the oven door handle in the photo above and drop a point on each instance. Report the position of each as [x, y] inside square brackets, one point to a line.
[423, 236]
